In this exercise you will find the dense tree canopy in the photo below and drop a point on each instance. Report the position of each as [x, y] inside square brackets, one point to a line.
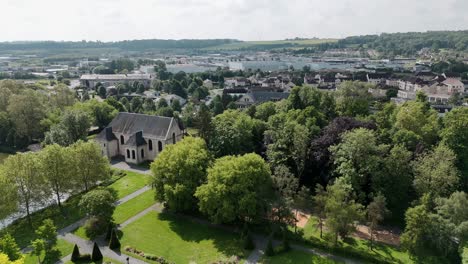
[178, 171]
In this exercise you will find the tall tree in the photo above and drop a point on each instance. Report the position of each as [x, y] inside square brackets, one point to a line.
[455, 137]
[203, 122]
[24, 170]
[178, 171]
[90, 167]
[9, 196]
[376, 212]
[341, 210]
[320, 202]
[237, 188]
[353, 99]
[26, 110]
[436, 172]
[48, 233]
[56, 168]
[358, 157]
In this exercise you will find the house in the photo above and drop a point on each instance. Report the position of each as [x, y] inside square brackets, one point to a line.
[138, 137]
[377, 78]
[260, 97]
[90, 80]
[170, 98]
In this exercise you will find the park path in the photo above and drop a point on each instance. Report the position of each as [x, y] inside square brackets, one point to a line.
[86, 245]
[122, 165]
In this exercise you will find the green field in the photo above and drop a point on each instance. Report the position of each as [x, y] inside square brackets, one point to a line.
[129, 184]
[181, 240]
[271, 44]
[132, 207]
[296, 256]
[3, 156]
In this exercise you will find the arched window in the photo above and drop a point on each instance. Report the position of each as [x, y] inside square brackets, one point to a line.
[142, 153]
[173, 138]
[150, 145]
[133, 154]
[159, 146]
[121, 139]
[128, 154]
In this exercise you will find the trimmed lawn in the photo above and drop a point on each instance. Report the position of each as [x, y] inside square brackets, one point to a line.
[132, 207]
[64, 248]
[296, 256]
[354, 246]
[130, 183]
[24, 234]
[181, 240]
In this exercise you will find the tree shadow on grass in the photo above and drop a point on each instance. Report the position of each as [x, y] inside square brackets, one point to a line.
[226, 242]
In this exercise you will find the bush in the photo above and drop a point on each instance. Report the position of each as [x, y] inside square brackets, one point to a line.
[76, 254]
[110, 227]
[270, 251]
[94, 227]
[97, 255]
[248, 242]
[114, 242]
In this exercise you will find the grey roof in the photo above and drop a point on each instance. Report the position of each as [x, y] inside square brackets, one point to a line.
[261, 97]
[105, 77]
[106, 134]
[130, 123]
[136, 140]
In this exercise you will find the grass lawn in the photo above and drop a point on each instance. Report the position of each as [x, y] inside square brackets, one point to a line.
[3, 156]
[296, 256]
[24, 234]
[104, 261]
[130, 183]
[355, 245]
[180, 240]
[132, 207]
[64, 249]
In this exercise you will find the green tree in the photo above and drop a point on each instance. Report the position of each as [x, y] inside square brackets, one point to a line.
[76, 254]
[26, 110]
[455, 137]
[376, 212]
[62, 96]
[436, 172]
[101, 113]
[24, 170]
[38, 246]
[96, 255]
[417, 118]
[353, 98]
[9, 198]
[47, 232]
[341, 210]
[176, 105]
[55, 166]
[238, 188]
[358, 157]
[203, 122]
[114, 242]
[9, 247]
[98, 203]
[90, 167]
[320, 202]
[178, 171]
[232, 133]
[265, 110]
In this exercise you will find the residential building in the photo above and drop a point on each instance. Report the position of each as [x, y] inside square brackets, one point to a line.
[90, 80]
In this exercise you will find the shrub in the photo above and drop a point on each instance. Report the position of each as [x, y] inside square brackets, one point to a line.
[248, 242]
[114, 242]
[270, 251]
[97, 255]
[109, 231]
[94, 227]
[76, 254]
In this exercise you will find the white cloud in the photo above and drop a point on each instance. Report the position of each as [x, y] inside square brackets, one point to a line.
[241, 19]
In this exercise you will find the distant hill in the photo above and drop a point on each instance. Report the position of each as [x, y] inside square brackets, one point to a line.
[406, 44]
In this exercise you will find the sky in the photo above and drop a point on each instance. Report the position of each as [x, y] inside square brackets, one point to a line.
[113, 20]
